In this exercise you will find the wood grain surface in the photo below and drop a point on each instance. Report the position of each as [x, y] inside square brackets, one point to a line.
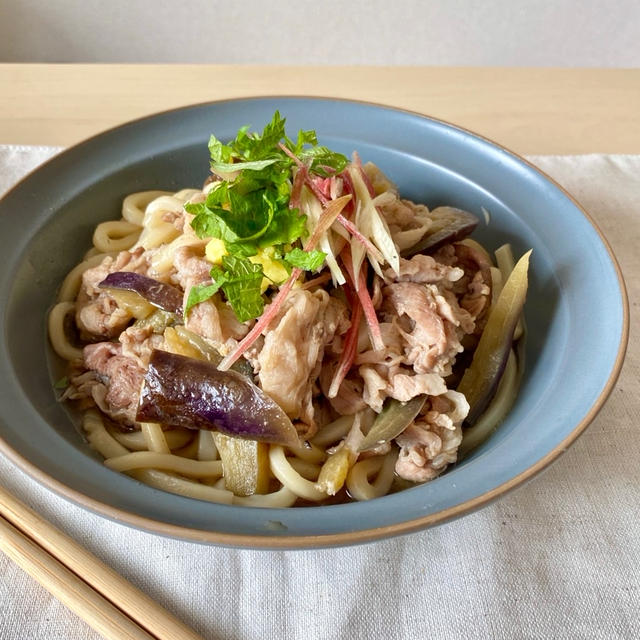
[531, 111]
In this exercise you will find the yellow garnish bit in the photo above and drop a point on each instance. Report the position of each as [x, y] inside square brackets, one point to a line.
[274, 270]
[215, 250]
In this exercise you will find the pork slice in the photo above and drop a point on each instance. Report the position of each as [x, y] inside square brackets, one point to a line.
[418, 445]
[404, 386]
[138, 343]
[215, 320]
[431, 442]
[427, 340]
[204, 320]
[349, 399]
[381, 382]
[476, 295]
[191, 266]
[294, 345]
[432, 341]
[446, 254]
[176, 218]
[187, 218]
[422, 268]
[101, 318]
[397, 213]
[118, 381]
[230, 326]
[193, 269]
[97, 313]
[407, 221]
[476, 301]
[80, 385]
[451, 310]
[473, 289]
[393, 349]
[374, 392]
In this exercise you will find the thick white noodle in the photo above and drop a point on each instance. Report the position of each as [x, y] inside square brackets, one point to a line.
[115, 235]
[166, 462]
[135, 440]
[290, 478]
[99, 438]
[109, 447]
[311, 453]
[182, 487]
[307, 470]
[220, 483]
[154, 437]
[185, 195]
[134, 205]
[358, 483]
[73, 280]
[190, 451]
[207, 449]
[156, 229]
[57, 334]
[93, 252]
[333, 432]
[277, 500]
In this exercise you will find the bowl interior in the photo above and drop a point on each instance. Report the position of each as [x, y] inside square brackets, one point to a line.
[572, 351]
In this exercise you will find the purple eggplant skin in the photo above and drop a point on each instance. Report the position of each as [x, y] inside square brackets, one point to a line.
[481, 379]
[159, 294]
[494, 375]
[461, 224]
[184, 392]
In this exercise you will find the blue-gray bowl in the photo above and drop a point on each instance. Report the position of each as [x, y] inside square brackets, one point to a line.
[576, 313]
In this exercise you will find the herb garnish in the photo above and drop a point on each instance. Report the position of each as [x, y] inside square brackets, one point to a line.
[249, 210]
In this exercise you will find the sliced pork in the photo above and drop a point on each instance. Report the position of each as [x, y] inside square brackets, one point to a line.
[211, 319]
[427, 347]
[113, 372]
[118, 381]
[350, 397]
[97, 312]
[138, 343]
[431, 442]
[473, 289]
[191, 267]
[425, 269]
[294, 345]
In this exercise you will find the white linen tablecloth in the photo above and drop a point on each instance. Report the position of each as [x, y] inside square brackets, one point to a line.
[557, 558]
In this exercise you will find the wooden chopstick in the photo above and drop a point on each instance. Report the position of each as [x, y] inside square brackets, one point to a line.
[103, 598]
[65, 585]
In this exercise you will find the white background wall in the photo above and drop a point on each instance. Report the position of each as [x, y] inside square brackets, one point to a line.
[602, 33]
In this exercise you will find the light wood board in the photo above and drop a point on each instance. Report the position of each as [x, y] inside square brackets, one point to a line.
[531, 111]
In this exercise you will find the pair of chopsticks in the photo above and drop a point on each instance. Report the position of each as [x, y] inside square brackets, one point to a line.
[95, 592]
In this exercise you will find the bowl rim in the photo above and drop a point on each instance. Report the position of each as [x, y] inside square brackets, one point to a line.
[359, 536]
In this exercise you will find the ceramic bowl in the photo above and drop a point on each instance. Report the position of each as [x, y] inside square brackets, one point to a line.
[576, 312]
